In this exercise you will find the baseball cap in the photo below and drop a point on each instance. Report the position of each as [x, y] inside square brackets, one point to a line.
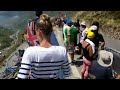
[68, 21]
[90, 34]
[93, 28]
[83, 23]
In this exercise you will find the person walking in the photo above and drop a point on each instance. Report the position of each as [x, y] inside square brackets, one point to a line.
[98, 39]
[84, 29]
[88, 53]
[44, 61]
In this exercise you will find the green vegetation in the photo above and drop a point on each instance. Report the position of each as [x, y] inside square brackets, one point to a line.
[12, 49]
[5, 40]
[19, 24]
[57, 13]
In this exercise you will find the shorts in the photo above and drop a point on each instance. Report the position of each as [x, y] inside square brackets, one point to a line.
[80, 45]
[70, 49]
[75, 43]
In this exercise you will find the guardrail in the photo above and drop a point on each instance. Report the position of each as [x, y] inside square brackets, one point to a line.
[113, 51]
[116, 61]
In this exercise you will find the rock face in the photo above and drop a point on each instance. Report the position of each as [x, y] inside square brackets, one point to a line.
[113, 32]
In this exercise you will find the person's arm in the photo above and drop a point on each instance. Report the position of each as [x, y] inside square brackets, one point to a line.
[68, 33]
[118, 77]
[102, 42]
[25, 65]
[66, 66]
[91, 54]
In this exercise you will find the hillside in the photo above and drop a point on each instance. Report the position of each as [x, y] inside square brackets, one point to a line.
[109, 21]
[57, 13]
[15, 19]
[5, 40]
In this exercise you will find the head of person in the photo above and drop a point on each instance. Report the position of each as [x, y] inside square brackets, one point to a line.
[93, 29]
[96, 24]
[76, 25]
[64, 21]
[83, 24]
[38, 13]
[78, 20]
[90, 35]
[44, 27]
[69, 22]
[105, 58]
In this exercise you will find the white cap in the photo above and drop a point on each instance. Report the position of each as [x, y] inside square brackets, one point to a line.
[83, 23]
[93, 28]
[105, 58]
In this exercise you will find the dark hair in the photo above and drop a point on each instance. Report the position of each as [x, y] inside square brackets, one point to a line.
[78, 20]
[75, 24]
[96, 23]
[64, 21]
[38, 13]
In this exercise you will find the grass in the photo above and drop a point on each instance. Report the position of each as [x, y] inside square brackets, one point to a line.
[5, 40]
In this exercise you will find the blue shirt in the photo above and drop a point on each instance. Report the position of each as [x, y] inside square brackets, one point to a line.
[101, 72]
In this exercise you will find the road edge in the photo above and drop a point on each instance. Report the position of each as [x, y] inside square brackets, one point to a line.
[76, 74]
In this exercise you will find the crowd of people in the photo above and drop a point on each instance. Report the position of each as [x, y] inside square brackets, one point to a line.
[43, 61]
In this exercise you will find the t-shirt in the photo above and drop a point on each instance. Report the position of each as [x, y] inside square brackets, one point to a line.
[66, 32]
[98, 38]
[44, 63]
[100, 72]
[73, 35]
[84, 32]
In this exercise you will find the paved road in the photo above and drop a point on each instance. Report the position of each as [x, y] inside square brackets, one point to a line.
[4, 51]
[10, 60]
[112, 43]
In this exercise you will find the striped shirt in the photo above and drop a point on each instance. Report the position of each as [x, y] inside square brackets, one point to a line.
[44, 63]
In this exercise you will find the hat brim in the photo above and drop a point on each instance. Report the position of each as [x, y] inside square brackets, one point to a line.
[106, 65]
[82, 24]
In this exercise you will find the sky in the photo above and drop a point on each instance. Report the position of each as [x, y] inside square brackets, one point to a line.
[7, 17]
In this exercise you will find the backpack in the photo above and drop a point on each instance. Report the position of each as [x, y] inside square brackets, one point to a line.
[31, 33]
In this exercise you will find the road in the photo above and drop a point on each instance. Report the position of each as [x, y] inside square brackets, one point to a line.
[10, 60]
[112, 43]
[4, 51]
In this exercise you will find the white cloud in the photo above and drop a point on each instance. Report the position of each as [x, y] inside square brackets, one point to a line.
[15, 17]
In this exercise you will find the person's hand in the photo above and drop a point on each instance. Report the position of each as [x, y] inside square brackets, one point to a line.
[118, 77]
[71, 46]
[76, 48]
